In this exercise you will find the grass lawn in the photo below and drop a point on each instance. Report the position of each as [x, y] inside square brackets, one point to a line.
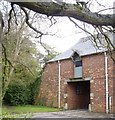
[25, 109]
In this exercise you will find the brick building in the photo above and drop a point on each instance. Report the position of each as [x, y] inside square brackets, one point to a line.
[79, 78]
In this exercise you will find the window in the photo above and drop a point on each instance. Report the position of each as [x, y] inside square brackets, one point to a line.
[78, 69]
[77, 65]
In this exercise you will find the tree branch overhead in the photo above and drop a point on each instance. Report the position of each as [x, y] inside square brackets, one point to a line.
[77, 11]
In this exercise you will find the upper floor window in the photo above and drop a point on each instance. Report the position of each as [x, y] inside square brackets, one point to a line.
[77, 65]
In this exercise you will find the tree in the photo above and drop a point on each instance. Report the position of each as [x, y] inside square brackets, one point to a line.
[26, 71]
[1, 26]
[17, 52]
[20, 58]
[11, 45]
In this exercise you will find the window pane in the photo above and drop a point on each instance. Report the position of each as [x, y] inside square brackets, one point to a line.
[78, 63]
[77, 72]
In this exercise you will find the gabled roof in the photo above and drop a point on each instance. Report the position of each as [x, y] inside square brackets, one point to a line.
[85, 46]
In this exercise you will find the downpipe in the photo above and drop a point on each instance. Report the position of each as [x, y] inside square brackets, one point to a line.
[106, 75]
[59, 101]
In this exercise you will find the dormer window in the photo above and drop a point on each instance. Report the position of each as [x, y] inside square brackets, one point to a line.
[77, 65]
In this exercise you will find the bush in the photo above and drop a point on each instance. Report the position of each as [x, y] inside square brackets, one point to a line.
[18, 94]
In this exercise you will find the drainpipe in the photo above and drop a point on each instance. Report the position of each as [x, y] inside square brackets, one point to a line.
[59, 84]
[106, 75]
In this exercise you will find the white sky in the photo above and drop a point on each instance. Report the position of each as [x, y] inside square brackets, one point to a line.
[67, 35]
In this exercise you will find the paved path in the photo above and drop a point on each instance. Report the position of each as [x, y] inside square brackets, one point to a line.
[73, 114]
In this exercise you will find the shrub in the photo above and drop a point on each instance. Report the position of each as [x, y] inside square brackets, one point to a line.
[18, 94]
[22, 93]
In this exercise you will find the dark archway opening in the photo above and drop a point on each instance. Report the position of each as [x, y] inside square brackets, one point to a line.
[78, 95]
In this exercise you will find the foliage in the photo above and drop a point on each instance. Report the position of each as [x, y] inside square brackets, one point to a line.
[11, 45]
[26, 76]
[35, 87]
[51, 55]
[23, 91]
[18, 94]
[25, 72]
[20, 66]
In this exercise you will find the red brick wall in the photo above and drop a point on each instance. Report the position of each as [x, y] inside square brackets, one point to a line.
[49, 86]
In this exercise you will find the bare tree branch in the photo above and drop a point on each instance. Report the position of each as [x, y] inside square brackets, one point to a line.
[5, 56]
[12, 5]
[110, 44]
[84, 31]
[71, 10]
[27, 22]
[99, 4]
[52, 20]
[105, 9]
[43, 45]
[10, 17]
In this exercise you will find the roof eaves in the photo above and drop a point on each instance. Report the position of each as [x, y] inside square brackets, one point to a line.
[58, 60]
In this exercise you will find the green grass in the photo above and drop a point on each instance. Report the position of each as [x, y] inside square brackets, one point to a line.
[26, 109]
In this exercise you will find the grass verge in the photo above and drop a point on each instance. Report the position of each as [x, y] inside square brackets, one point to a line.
[28, 110]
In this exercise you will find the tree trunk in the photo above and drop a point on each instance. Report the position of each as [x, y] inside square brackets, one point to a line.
[1, 30]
